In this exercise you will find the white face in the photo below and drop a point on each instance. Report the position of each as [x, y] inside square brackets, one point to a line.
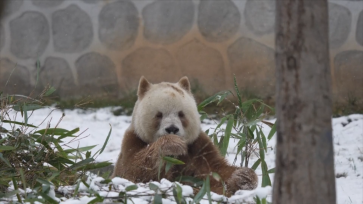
[166, 109]
[170, 122]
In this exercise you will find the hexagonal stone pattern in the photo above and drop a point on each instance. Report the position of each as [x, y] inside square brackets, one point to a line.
[29, 35]
[72, 30]
[359, 31]
[118, 25]
[218, 20]
[47, 3]
[349, 74]
[96, 74]
[260, 16]
[2, 36]
[254, 66]
[203, 65]
[16, 77]
[154, 64]
[167, 21]
[340, 19]
[11, 6]
[57, 73]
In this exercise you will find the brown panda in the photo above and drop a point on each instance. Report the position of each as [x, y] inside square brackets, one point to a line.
[165, 122]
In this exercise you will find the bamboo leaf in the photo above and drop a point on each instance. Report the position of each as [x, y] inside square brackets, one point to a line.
[237, 91]
[264, 142]
[18, 123]
[5, 160]
[6, 148]
[82, 149]
[52, 131]
[272, 132]
[68, 134]
[173, 160]
[200, 194]
[168, 166]
[215, 97]
[11, 193]
[15, 183]
[257, 199]
[216, 176]
[260, 146]
[265, 177]
[221, 123]
[81, 163]
[92, 166]
[153, 187]
[49, 91]
[96, 200]
[22, 176]
[157, 199]
[256, 164]
[271, 171]
[106, 141]
[223, 96]
[27, 107]
[131, 188]
[207, 189]
[227, 136]
[43, 181]
[190, 179]
[178, 194]
[48, 198]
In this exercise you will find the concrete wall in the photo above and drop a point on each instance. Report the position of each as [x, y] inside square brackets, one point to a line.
[102, 47]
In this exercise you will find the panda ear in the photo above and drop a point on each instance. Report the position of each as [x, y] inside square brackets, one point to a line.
[184, 83]
[144, 86]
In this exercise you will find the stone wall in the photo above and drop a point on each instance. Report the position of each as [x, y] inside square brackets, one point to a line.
[102, 47]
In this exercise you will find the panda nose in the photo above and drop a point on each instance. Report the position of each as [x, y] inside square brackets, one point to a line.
[172, 129]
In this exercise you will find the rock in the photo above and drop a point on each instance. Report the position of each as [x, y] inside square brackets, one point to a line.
[57, 73]
[118, 25]
[167, 21]
[254, 66]
[359, 31]
[340, 19]
[90, 1]
[11, 6]
[47, 3]
[203, 65]
[72, 30]
[29, 35]
[14, 78]
[260, 16]
[96, 75]
[218, 20]
[349, 74]
[155, 64]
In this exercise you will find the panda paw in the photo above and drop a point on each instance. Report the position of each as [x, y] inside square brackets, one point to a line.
[172, 145]
[242, 179]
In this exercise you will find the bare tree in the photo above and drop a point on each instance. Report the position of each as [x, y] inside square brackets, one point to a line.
[305, 156]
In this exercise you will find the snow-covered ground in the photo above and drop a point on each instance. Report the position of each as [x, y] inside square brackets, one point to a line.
[95, 125]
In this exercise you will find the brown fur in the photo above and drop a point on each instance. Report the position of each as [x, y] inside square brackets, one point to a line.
[139, 162]
[184, 83]
[143, 87]
[176, 89]
[147, 141]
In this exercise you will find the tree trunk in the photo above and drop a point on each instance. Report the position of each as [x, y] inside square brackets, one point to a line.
[305, 156]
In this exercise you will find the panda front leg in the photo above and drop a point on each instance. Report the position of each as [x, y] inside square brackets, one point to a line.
[150, 159]
[206, 158]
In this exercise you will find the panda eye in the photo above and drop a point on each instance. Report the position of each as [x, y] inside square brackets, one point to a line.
[181, 114]
[159, 115]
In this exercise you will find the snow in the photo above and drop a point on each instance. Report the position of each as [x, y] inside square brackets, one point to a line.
[95, 125]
